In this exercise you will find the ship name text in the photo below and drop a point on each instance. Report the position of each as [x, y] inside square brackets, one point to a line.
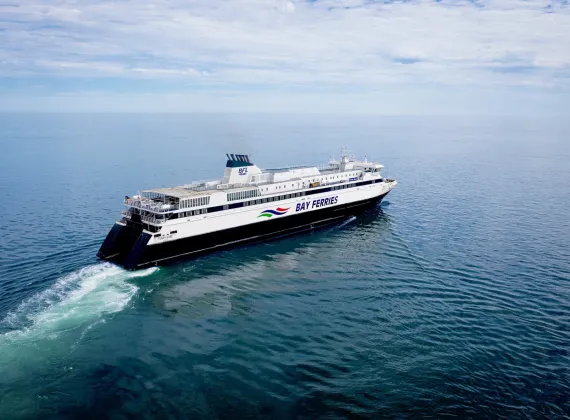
[321, 202]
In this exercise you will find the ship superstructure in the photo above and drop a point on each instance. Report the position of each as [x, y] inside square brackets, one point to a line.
[247, 204]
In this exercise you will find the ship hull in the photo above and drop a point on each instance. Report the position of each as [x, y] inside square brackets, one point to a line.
[127, 245]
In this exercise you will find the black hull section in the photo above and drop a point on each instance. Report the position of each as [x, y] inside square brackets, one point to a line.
[127, 246]
[120, 242]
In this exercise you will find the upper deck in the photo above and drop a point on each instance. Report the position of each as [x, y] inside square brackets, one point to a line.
[244, 180]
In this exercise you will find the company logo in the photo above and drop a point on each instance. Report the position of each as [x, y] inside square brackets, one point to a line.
[319, 202]
[242, 171]
[277, 212]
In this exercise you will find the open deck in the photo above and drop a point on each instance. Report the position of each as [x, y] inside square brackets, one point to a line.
[179, 192]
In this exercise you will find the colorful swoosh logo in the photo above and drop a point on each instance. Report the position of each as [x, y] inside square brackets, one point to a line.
[277, 212]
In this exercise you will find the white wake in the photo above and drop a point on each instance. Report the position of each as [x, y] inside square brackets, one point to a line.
[346, 222]
[74, 300]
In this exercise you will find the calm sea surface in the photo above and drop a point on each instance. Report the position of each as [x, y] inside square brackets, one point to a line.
[450, 300]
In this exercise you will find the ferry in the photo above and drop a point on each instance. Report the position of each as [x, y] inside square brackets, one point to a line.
[248, 204]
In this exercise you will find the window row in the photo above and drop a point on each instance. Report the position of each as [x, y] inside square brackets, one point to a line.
[284, 197]
[242, 195]
[274, 198]
[193, 212]
[327, 178]
[195, 202]
[341, 187]
[269, 199]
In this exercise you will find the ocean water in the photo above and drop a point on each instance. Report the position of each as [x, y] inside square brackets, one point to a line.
[449, 300]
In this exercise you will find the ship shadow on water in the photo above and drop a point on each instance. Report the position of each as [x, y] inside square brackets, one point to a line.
[232, 260]
[218, 280]
[268, 249]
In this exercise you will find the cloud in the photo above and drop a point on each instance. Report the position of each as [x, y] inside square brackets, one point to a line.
[274, 43]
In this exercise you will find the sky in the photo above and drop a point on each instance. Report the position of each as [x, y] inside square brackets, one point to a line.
[389, 57]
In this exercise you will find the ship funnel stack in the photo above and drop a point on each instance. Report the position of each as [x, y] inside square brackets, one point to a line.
[239, 169]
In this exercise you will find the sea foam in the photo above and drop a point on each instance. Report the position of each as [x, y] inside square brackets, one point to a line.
[81, 297]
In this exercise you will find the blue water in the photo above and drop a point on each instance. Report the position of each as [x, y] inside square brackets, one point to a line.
[451, 299]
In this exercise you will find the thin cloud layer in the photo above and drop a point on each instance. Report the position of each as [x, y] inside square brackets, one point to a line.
[324, 43]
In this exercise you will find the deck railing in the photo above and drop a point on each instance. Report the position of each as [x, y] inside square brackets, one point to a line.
[150, 205]
[153, 220]
[126, 213]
